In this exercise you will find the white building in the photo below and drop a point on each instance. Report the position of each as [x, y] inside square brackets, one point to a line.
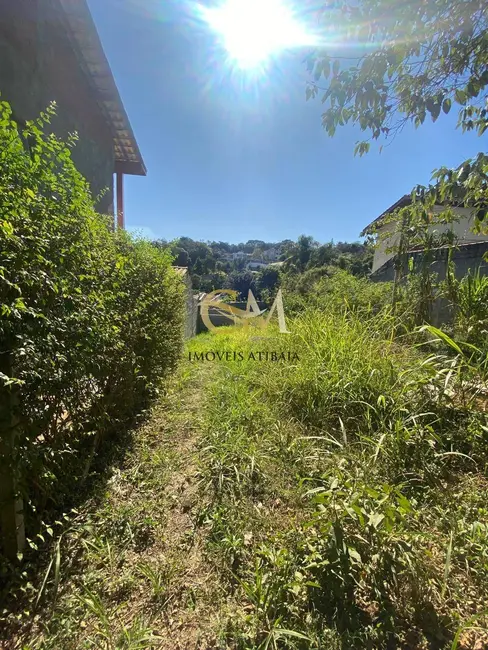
[462, 229]
[240, 255]
[271, 255]
[255, 265]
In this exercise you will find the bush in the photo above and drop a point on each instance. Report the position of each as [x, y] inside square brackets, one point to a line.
[470, 300]
[334, 290]
[91, 319]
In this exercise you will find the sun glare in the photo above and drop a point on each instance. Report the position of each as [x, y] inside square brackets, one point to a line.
[252, 31]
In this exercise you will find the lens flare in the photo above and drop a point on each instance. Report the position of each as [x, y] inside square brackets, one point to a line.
[253, 31]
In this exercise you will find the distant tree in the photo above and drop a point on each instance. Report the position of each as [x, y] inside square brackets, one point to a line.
[198, 267]
[361, 263]
[222, 266]
[240, 265]
[196, 281]
[209, 269]
[344, 261]
[212, 282]
[241, 282]
[354, 248]
[182, 258]
[323, 255]
[255, 243]
[302, 251]
[162, 244]
[267, 280]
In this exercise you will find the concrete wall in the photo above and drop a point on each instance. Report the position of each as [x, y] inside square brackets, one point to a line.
[37, 66]
[462, 230]
[466, 258]
[191, 315]
[191, 305]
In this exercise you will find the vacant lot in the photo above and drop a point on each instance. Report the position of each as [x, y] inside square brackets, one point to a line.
[335, 499]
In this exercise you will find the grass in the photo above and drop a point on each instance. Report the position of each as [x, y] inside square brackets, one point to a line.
[336, 501]
[339, 488]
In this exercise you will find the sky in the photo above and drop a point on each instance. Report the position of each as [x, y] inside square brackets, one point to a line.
[232, 157]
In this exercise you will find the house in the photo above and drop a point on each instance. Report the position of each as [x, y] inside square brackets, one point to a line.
[271, 255]
[50, 51]
[469, 253]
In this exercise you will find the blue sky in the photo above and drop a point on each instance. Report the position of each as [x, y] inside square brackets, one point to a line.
[229, 161]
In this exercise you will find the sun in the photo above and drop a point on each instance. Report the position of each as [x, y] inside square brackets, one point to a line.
[253, 31]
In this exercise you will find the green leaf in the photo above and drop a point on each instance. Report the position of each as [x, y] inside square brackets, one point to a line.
[443, 336]
[375, 519]
[355, 555]
[281, 632]
[460, 96]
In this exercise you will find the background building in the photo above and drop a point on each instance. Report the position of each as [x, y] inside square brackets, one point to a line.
[50, 51]
[470, 246]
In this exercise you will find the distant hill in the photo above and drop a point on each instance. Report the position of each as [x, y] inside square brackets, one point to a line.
[215, 265]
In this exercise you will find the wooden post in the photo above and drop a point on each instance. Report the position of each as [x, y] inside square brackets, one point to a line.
[12, 531]
[120, 201]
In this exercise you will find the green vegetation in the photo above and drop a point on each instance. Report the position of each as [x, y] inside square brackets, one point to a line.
[347, 489]
[469, 296]
[212, 267]
[422, 60]
[336, 501]
[331, 287]
[90, 324]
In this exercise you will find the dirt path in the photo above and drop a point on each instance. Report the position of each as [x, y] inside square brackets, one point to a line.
[191, 617]
[132, 568]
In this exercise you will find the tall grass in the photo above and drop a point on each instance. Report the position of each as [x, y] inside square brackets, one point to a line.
[345, 487]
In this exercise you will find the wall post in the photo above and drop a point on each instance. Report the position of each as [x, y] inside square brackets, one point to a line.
[120, 201]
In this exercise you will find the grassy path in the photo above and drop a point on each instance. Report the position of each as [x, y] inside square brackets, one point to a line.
[328, 504]
[132, 572]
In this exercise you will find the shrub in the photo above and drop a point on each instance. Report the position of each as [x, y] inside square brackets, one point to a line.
[333, 289]
[91, 319]
[470, 299]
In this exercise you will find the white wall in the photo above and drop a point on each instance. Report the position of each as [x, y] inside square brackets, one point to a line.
[252, 266]
[462, 229]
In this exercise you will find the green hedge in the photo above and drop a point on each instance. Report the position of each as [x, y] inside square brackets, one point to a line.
[91, 319]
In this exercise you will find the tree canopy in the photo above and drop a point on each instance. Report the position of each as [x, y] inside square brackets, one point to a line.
[422, 59]
[211, 267]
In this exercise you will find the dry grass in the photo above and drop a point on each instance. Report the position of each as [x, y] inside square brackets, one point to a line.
[133, 572]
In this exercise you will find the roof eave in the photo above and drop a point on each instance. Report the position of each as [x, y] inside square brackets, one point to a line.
[406, 199]
[130, 168]
[87, 44]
